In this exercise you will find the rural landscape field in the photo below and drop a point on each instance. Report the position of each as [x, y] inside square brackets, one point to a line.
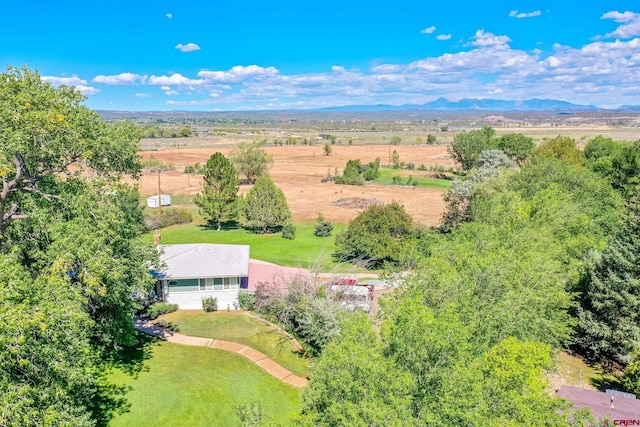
[270, 214]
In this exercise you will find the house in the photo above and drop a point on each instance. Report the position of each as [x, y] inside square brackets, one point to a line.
[191, 272]
[612, 406]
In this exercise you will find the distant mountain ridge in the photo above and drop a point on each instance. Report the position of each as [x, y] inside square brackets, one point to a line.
[481, 104]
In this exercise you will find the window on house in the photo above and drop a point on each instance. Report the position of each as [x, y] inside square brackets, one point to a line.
[230, 283]
[217, 284]
[205, 284]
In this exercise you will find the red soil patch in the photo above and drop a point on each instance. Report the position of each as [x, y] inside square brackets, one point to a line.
[299, 170]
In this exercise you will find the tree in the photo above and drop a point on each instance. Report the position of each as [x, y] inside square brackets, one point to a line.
[562, 148]
[354, 384]
[251, 161]
[327, 149]
[47, 133]
[266, 206]
[395, 140]
[71, 250]
[395, 159]
[609, 311]
[467, 146]
[185, 131]
[381, 233]
[323, 228]
[220, 193]
[431, 139]
[352, 174]
[517, 146]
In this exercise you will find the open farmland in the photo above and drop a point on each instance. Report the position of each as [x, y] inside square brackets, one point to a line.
[298, 171]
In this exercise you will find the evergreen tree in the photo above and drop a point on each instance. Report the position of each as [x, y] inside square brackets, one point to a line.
[220, 194]
[609, 311]
[266, 206]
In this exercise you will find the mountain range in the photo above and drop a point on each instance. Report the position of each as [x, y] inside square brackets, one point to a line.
[473, 104]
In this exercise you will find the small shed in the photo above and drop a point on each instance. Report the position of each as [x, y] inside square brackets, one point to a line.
[153, 202]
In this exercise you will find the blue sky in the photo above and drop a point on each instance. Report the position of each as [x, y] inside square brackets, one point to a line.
[281, 54]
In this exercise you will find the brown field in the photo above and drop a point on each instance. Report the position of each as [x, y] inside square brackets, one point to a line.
[298, 171]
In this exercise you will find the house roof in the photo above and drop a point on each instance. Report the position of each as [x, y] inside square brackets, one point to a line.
[600, 403]
[203, 260]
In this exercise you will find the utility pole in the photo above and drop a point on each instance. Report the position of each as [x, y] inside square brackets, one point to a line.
[159, 195]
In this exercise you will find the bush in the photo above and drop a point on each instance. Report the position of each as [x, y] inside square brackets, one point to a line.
[160, 308]
[170, 216]
[289, 232]
[210, 304]
[411, 166]
[247, 300]
[323, 228]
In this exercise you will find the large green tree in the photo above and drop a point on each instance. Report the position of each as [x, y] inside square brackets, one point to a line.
[381, 233]
[560, 147]
[265, 206]
[467, 146]
[609, 311]
[516, 146]
[70, 241]
[355, 385]
[251, 161]
[46, 133]
[219, 196]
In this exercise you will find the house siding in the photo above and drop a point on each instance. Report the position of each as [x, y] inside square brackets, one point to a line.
[193, 300]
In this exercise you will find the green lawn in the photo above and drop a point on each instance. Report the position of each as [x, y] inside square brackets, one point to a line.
[386, 178]
[305, 251]
[198, 386]
[242, 329]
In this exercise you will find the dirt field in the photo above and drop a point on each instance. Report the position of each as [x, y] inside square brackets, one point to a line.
[298, 171]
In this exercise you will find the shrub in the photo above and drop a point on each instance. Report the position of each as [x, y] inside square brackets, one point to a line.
[411, 166]
[160, 308]
[289, 232]
[323, 228]
[210, 304]
[247, 300]
[170, 216]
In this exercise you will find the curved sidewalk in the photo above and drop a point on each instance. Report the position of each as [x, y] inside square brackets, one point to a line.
[254, 356]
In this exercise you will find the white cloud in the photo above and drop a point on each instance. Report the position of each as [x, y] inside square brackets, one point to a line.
[189, 47]
[173, 80]
[428, 30]
[519, 15]
[169, 15]
[123, 79]
[67, 81]
[386, 68]
[485, 39]
[142, 95]
[87, 90]
[443, 36]
[630, 24]
[237, 74]
[171, 92]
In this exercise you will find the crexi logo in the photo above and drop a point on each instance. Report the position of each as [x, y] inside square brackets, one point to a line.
[622, 422]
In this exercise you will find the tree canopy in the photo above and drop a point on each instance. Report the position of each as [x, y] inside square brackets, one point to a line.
[467, 146]
[70, 249]
[220, 193]
[381, 233]
[265, 206]
[251, 161]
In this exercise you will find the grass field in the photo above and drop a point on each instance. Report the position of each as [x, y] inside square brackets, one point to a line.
[242, 329]
[197, 386]
[386, 178]
[305, 251]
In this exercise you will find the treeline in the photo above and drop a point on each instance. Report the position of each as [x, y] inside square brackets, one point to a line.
[536, 253]
[71, 254]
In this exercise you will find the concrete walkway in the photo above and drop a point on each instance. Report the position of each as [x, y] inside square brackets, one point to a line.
[254, 356]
